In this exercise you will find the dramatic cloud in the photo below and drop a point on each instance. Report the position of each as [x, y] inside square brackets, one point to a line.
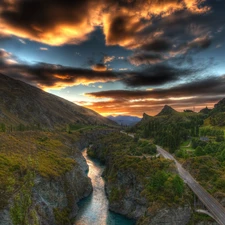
[161, 46]
[197, 94]
[54, 22]
[149, 106]
[46, 75]
[157, 45]
[6, 58]
[51, 76]
[60, 22]
[99, 67]
[145, 58]
[158, 75]
[209, 86]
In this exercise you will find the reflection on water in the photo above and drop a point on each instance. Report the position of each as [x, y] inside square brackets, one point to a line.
[94, 209]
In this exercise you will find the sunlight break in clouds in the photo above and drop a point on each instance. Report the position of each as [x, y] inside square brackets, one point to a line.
[59, 23]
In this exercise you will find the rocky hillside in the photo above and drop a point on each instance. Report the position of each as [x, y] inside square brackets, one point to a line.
[138, 186]
[42, 177]
[27, 105]
[220, 106]
[216, 116]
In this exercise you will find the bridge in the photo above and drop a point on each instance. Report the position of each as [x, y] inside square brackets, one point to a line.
[215, 209]
[203, 211]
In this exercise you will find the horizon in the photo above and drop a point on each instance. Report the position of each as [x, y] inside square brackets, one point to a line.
[120, 57]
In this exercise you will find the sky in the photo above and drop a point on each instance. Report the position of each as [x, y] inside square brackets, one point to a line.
[118, 57]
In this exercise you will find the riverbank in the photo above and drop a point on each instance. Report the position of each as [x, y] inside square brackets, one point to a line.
[94, 210]
[147, 189]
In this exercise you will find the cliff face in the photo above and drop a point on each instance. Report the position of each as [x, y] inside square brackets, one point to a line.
[134, 205]
[168, 216]
[125, 185]
[65, 192]
[59, 193]
[131, 204]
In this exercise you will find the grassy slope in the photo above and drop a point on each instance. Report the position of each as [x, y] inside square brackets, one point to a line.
[44, 152]
[22, 103]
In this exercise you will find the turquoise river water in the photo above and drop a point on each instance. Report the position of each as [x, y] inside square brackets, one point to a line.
[94, 209]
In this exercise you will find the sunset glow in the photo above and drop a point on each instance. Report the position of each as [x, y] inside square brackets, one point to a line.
[118, 57]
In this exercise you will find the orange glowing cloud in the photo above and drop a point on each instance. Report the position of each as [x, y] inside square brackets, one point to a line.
[58, 22]
[59, 35]
[193, 6]
[124, 26]
[7, 58]
[99, 67]
[149, 106]
[51, 76]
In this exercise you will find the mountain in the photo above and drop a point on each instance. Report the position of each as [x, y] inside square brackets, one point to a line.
[206, 111]
[217, 114]
[125, 120]
[167, 116]
[219, 107]
[27, 105]
[166, 111]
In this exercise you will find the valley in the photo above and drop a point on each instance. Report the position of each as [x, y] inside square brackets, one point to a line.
[44, 177]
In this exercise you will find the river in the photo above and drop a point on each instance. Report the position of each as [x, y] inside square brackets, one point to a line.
[94, 209]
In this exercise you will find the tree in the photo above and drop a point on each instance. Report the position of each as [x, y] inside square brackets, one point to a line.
[199, 151]
[68, 130]
[22, 211]
[136, 138]
[219, 138]
[2, 127]
[178, 185]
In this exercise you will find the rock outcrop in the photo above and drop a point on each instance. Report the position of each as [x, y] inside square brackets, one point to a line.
[133, 205]
[59, 193]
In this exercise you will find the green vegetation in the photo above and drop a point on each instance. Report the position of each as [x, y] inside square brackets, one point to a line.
[123, 155]
[49, 152]
[196, 139]
[82, 128]
[22, 212]
[198, 217]
[62, 216]
[163, 129]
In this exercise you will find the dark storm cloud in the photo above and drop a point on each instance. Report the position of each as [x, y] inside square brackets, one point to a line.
[52, 22]
[183, 32]
[211, 86]
[157, 45]
[58, 22]
[55, 76]
[157, 75]
[51, 75]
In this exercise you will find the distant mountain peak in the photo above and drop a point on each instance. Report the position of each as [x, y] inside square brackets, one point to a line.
[145, 115]
[167, 110]
[124, 119]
